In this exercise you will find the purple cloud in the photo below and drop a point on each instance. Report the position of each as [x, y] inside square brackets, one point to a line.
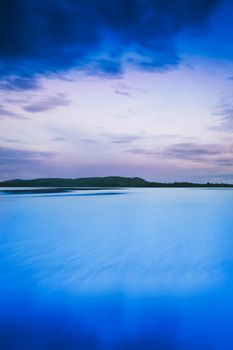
[7, 113]
[189, 151]
[47, 103]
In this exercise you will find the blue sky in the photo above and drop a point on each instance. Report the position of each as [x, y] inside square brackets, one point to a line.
[121, 87]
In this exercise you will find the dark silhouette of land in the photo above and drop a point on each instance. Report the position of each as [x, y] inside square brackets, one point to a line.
[109, 181]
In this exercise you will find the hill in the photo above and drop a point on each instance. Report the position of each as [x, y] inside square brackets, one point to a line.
[109, 181]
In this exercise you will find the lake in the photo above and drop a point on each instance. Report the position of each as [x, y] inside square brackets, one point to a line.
[116, 269]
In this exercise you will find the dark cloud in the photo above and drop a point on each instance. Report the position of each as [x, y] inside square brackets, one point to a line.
[44, 37]
[47, 103]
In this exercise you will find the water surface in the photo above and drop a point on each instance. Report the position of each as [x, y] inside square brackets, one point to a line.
[116, 269]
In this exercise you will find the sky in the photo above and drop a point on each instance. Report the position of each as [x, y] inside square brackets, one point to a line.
[117, 87]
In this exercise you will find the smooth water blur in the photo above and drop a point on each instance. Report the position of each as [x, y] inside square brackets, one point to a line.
[116, 269]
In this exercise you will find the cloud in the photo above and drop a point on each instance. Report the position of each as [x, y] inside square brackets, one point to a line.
[225, 118]
[14, 83]
[47, 103]
[121, 138]
[123, 89]
[112, 138]
[45, 37]
[10, 140]
[58, 139]
[194, 152]
[90, 140]
[121, 116]
[124, 139]
[17, 163]
[8, 155]
[138, 138]
[225, 162]
[23, 163]
[7, 113]
[122, 93]
[191, 151]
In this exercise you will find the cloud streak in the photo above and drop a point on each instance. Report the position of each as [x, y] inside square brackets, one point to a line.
[4, 112]
[225, 121]
[12, 154]
[47, 104]
[194, 152]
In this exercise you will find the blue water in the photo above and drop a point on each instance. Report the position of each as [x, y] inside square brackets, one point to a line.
[116, 269]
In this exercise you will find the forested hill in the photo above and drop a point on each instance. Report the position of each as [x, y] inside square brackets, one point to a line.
[109, 181]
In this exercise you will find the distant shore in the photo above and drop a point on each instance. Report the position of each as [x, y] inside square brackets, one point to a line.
[109, 181]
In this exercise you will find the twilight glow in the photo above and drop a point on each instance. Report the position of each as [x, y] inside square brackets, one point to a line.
[120, 87]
